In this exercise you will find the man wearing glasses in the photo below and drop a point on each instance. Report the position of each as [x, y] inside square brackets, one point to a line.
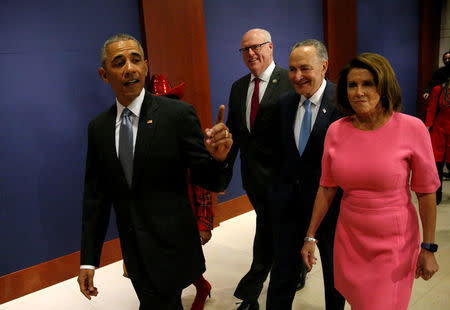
[252, 109]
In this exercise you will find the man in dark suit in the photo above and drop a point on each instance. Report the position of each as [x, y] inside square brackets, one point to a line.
[252, 108]
[139, 151]
[305, 116]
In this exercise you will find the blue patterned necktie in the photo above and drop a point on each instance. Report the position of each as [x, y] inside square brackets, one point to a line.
[306, 127]
[126, 145]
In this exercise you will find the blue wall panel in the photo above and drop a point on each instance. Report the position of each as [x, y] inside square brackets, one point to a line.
[391, 28]
[227, 21]
[49, 91]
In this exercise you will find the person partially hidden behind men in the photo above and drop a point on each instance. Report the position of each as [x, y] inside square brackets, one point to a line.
[139, 152]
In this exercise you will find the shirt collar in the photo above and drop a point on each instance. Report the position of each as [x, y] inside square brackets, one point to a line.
[265, 76]
[134, 106]
[316, 99]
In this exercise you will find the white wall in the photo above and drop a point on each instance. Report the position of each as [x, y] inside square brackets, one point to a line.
[445, 30]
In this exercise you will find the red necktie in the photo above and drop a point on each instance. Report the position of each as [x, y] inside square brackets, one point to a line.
[255, 103]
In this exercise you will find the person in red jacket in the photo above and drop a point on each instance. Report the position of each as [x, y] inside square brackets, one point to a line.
[202, 206]
[438, 119]
[200, 198]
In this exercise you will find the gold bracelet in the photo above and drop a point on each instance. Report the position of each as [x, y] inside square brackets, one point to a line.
[310, 239]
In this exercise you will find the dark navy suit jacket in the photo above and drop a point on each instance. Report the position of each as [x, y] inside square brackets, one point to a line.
[158, 232]
[297, 183]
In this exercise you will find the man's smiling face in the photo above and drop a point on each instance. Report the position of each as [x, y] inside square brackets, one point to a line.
[259, 59]
[306, 70]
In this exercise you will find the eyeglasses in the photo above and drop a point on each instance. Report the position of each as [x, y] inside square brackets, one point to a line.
[255, 48]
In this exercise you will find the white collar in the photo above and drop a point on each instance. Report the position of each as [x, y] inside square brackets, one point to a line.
[265, 76]
[316, 99]
[134, 106]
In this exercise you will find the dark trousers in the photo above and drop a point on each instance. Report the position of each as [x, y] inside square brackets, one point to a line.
[251, 284]
[150, 299]
[289, 230]
[440, 169]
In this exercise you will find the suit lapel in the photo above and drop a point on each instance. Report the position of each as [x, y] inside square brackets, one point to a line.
[148, 122]
[289, 117]
[292, 111]
[243, 90]
[271, 86]
[110, 145]
[324, 113]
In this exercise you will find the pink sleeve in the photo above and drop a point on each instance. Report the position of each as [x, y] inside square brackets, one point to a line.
[326, 178]
[424, 178]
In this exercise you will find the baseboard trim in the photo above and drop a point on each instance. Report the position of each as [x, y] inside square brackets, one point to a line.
[231, 208]
[34, 278]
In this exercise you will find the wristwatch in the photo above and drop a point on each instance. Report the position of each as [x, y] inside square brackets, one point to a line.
[432, 247]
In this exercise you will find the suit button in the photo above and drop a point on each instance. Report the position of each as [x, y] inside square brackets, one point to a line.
[130, 229]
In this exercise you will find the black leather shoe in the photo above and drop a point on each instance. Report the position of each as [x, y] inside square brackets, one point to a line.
[301, 282]
[246, 305]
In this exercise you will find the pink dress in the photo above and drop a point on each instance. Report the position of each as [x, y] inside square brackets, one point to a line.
[377, 238]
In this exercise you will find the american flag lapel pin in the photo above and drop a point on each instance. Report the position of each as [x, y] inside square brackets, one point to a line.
[150, 121]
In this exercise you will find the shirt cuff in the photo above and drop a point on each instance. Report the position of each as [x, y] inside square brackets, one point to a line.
[87, 267]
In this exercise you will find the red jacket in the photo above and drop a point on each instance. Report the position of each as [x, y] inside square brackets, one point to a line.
[201, 206]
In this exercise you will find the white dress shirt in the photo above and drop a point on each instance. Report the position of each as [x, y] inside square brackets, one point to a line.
[316, 100]
[264, 81]
[135, 108]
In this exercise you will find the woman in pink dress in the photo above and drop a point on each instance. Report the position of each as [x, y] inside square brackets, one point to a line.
[376, 155]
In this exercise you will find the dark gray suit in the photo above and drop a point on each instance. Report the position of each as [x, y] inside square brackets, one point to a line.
[293, 198]
[157, 229]
[258, 166]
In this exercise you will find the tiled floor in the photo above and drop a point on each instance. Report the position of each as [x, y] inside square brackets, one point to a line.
[228, 257]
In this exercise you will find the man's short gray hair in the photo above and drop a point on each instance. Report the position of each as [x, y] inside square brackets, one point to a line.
[267, 37]
[118, 38]
[321, 50]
